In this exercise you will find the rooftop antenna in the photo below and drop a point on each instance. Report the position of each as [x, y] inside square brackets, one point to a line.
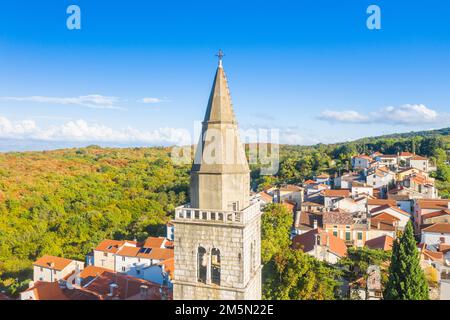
[220, 55]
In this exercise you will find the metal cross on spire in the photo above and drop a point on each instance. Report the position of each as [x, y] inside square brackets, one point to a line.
[220, 55]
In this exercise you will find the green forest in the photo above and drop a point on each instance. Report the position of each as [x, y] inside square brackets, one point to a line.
[64, 202]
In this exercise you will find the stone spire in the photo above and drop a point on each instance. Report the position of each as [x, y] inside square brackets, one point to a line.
[220, 174]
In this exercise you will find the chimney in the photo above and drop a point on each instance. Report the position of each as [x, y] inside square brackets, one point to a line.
[448, 205]
[315, 223]
[113, 290]
[297, 218]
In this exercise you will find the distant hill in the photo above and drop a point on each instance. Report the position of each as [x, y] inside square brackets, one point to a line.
[427, 133]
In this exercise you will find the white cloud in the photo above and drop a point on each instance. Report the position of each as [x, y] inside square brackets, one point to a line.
[149, 100]
[91, 101]
[348, 116]
[81, 130]
[407, 114]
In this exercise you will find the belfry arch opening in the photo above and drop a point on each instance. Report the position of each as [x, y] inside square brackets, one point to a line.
[215, 266]
[202, 264]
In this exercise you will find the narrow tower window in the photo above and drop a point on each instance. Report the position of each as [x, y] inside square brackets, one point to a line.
[202, 262]
[215, 266]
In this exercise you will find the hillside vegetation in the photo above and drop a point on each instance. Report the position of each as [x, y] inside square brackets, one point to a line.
[65, 202]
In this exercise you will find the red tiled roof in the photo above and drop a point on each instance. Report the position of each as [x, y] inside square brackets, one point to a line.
[380, 202]
[438, 228]
[92, 272]
[154, 242]
[387, 206]
[433, 204]
[47, 291]
[289, 205]
[444, 247]
[128, 288]
[337, 217]
[306, 241]
[127, 251]
[384, 243]
[161, 254]
[384, 216]
[406, 154]
[169, 266]
[110, 246]
[55, 263]
[306, 220]
[52, 291]
[168, 244]
[382, 225]
[418, 158]
[266, 197]
[337, 193]
[290, 187]
[363, 156]
[435, 214]
[432, 255]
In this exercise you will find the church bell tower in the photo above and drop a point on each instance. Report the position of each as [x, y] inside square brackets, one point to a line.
[218, 235]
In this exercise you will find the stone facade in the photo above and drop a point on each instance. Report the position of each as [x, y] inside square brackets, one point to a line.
[240, 263]
[217, 236]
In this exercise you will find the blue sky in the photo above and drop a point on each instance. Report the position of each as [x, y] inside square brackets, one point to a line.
[311, 69]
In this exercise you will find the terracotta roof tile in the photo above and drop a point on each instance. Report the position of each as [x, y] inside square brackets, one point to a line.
[306, 220]
[387, 206]
[128, 288]
[418, 158]
[435, 214]
[438, 228]
[380, 202]
[337, 193]
[169, 266]
[91, 272]
[384, 243]
[406, 154]
[127, 251]
[432, 255]
[154, 242]
[438, 204]
[266, 197]
[306, 241]
[52, 262]
[111, 246]
[337, 217]
[290, 187]
[161, 254]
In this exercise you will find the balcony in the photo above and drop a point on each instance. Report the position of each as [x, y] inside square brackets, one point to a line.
[186, 213]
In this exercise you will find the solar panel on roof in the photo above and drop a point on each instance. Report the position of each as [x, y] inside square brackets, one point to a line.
[145, 250]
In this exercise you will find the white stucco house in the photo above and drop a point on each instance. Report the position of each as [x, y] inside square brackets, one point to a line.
[435, 234]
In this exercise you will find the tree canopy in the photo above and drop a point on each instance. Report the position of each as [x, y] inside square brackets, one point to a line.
[406, 278]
